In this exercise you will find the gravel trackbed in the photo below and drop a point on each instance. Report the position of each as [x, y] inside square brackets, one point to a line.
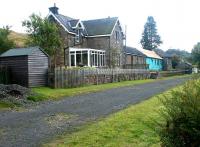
[38, 124]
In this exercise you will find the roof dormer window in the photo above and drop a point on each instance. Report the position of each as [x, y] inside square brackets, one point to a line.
[78, 36]
[78, 29]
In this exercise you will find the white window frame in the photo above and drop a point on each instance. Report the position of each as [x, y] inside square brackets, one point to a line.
[98, 56]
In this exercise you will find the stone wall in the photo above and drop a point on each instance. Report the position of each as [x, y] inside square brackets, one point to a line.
[99, 43]
[116, 46]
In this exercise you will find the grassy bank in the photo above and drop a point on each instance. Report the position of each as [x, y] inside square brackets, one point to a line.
[130, 127]
[46, 93]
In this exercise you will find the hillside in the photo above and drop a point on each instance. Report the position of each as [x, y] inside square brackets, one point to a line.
[18, 38]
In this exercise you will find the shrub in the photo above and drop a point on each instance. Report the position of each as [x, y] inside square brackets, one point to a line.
[181, 113]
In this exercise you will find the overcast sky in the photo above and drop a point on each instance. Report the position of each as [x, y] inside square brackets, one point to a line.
[177, 21]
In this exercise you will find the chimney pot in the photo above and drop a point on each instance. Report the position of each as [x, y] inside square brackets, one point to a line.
[54, 9]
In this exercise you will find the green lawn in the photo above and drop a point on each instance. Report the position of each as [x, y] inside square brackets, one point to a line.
[130, 127]
[46, 93]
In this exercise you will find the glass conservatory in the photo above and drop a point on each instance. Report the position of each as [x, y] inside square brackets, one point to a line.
[86, 57]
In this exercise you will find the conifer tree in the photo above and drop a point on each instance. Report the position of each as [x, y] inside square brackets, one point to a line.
[150, 38]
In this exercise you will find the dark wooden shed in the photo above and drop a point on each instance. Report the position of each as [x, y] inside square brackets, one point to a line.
[28, 66]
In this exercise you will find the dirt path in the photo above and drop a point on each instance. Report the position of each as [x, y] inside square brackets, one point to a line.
[36, 125]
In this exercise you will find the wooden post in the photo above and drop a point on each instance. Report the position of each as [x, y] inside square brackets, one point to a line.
[112, 75]
[62, 77]
[88, 53]
[55, 80]
[97, 76]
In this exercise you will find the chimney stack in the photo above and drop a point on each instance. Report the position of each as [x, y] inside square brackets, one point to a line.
[54, 9]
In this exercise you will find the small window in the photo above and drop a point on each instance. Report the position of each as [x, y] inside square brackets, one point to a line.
[117, 36]
[78, 35]
[72, 60]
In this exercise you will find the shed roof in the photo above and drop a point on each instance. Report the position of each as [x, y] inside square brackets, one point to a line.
[20, 52]
[132, 51]
[150, 54]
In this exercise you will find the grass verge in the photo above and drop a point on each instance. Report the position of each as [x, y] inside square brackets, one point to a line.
[46, 93]
[133, 126]
[6, 105]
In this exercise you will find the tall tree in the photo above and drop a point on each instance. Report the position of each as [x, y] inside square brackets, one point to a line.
[196, 54]
[150, 38]
[5, 42]
[45, 34]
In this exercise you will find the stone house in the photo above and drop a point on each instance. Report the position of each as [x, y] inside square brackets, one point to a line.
[96, 43]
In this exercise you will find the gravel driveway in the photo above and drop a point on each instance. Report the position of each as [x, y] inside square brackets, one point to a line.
[43, 122]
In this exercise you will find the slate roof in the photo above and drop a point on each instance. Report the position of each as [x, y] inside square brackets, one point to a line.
[150, 54]
[20, 52]
[132, 51]
[65, 20]
[94, 27]
[100, 26]
[73, 22]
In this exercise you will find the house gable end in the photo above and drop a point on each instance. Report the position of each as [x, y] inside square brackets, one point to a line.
[100, 27]
[60, 23]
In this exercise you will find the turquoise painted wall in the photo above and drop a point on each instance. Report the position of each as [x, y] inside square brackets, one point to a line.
[154, 64]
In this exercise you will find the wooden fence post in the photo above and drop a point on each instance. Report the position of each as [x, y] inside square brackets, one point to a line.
[54, 77]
